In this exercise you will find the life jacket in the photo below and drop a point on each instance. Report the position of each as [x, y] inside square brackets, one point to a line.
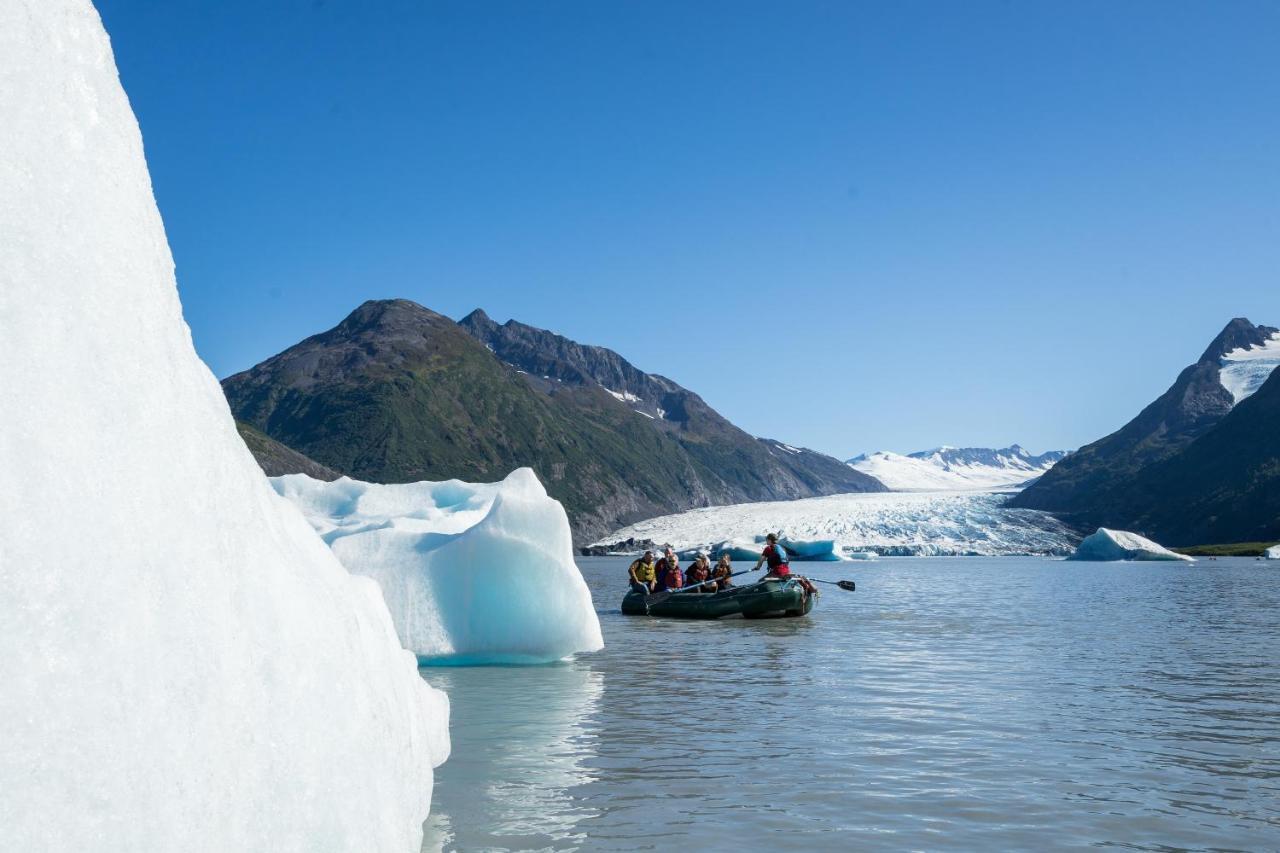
[776, 555]
[645, 572]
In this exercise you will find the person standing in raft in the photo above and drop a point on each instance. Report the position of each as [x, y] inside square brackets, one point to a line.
[776, 556]
[644, 574]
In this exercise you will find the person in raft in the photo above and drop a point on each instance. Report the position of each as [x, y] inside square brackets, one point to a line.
[669, 575]
[776, 556]
[699, 572]
[720, 574]
[644, 574]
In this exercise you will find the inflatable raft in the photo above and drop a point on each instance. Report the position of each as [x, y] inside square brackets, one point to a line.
[773, 598]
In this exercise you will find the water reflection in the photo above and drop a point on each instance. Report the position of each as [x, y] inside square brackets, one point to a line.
[948, 704]
[520, 740]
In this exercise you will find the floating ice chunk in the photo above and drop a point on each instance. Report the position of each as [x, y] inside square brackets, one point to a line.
[472, 573]
[184, 664]
[1273, 553]
[813, 550]
[1108, 545]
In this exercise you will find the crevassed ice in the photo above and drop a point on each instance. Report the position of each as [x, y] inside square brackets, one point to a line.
[889, 523]
[183, 663]
[1242, 371]
[472, 572]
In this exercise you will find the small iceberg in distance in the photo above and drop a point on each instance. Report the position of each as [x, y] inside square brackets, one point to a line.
[473, 573]
[1110, 545]
[1273, 553]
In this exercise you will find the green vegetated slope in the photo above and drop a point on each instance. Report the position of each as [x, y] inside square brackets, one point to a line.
[397, 393]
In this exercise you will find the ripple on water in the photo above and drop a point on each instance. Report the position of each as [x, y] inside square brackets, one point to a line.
[947, 704]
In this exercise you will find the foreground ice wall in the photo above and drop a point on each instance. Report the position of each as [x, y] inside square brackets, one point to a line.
[472, 573]
[183, 663]
[906, 523]
[1108, 544]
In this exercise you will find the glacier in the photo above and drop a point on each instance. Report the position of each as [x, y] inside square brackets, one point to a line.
[956, 468]
[889, 523]
[1107, 545]
[185, 664]
[472, 573]
[1243, 370]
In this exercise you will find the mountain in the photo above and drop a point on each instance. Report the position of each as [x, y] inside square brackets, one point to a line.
[957, 468]
[397, 393]
[1116, 481]
[275, 459]
[1224, 487]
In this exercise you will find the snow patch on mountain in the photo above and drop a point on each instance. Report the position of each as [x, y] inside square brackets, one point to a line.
[956, 468]
[908, 523]
[1243, 370]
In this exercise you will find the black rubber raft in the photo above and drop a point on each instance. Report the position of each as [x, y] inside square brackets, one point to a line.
[771, 599]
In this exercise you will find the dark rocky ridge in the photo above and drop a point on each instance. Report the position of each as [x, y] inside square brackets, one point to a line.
[1194, 403]
[1113, 481]
[397, 393]
[770, 468]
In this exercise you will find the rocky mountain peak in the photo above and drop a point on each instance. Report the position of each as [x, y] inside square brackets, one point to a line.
[1238, 334]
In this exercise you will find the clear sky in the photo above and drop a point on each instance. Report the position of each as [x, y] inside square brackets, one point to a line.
[847, 225]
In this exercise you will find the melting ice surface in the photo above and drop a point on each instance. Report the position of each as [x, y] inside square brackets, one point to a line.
[472, 573]
[183, 663]
[1108, 544]
[940, 523]
[1243, 371]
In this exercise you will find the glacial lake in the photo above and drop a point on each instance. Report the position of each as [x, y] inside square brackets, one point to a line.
[948, 704]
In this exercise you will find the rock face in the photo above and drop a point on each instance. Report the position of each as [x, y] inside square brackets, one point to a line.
[1110, 545]
[275, 459]
[763, 468]
[1198, 445]
[398, 393]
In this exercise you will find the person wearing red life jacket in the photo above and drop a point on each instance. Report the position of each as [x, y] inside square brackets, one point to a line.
[776, 556]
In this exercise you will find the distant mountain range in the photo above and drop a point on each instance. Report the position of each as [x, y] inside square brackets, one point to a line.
[1201, 464]
[396, 393]
[957, 468]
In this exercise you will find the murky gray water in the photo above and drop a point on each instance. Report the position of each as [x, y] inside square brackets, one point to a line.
[972, 704]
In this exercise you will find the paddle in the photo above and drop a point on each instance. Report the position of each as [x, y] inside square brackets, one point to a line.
[700, 584]
[848, 586]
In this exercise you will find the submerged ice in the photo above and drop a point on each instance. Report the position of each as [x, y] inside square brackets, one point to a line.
[1106, 545]
[472, 573]
[185, 665]
[906, 523]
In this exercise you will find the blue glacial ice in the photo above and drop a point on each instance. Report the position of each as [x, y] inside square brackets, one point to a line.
[472, 573]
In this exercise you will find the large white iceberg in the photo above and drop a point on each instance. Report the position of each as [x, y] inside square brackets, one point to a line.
[1108, 544]
[183, 663]
[472, 573]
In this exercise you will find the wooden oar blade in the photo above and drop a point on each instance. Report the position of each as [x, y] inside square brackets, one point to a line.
[849, 585]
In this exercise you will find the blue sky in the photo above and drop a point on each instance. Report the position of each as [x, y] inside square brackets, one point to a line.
[850, 226]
